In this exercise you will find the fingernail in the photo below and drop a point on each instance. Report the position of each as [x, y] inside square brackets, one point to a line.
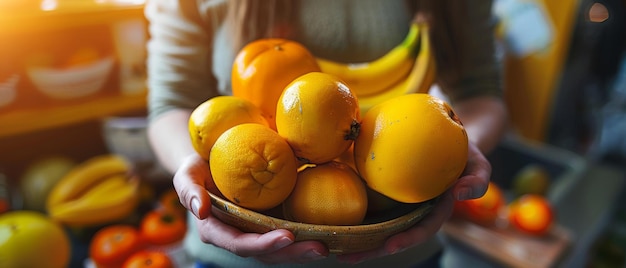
[313, 255]
[283, 242]
[195, 207]
[464, 194]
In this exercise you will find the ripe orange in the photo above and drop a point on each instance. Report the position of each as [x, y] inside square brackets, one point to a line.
[330, 194]
[423, 134]
[532, 214]
[149, 259]
[263, 68]
[485, 209]
[214, 116]
[82, 56]
[113, 244]
[319, 117]
[253, 166]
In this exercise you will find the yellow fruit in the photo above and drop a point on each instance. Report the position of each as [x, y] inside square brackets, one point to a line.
[214, 116]
[319, 117]
[411, 148]
[253, 166]
[330, 194]
[30, 239]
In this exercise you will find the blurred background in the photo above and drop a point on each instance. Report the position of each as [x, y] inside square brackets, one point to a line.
[72, 86]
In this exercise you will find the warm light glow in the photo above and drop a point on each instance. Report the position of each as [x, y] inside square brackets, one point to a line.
[598, 13]
[48, 5]
[131, 2]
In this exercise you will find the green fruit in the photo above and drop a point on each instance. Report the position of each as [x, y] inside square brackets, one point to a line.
[30, 239]
[39, 177]
[532, 179]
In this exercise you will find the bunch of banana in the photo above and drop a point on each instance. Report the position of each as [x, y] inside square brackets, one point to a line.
[376, 76]
[97, 191]
[407, 68]
[419, 80]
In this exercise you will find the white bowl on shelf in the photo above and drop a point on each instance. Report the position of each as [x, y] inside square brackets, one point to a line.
[72, 82]
[128, 136]
[8, 89]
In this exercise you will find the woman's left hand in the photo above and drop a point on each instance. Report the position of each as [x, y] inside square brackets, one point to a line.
[472, 184]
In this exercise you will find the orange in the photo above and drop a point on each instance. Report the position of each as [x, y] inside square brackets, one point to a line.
[83, 56]
[211, 118]
[253, 166]
[263, 68]
[532, 214]
[319, 116]
[411, 148]
[485, 209]
[149, 259]
[329, 194]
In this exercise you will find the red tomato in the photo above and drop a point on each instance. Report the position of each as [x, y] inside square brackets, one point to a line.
[483, 210]
[149, 259]
[112, 245]
[161, 227]
[531, 213]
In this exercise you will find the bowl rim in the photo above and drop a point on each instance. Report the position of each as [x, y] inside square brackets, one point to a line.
[413, 215]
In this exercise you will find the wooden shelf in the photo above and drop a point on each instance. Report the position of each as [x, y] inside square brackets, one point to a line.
[24, 121]
[37, 16]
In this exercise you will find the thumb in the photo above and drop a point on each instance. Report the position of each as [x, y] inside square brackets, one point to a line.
[189, 184]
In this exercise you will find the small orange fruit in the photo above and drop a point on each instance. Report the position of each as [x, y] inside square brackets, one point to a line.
[83, 56]
[331, 194]
[532, 214]
[253, 166]
[411, 148]
[214, 116]
[319, 117]
[149, 259]
[485, 209]
[263, 68]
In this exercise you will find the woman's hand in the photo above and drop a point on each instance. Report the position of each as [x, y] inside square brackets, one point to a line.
[191, 182]
[472, 184]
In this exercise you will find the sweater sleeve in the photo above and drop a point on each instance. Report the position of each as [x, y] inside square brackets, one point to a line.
[179, 53]
[481, 72]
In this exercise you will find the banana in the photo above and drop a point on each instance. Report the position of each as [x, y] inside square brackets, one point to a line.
[419, 80]
[114, 198]
[84, 176]
[372, 77]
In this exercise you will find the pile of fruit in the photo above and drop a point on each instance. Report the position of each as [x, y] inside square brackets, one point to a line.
[293, 135]
[98, 204]
[529, 211]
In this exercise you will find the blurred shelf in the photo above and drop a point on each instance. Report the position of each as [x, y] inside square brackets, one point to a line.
[32, 16]
[18, 122]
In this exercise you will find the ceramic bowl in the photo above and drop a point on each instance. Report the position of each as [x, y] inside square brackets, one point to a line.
[128, 136]
[8, 89]
[339, 239]
[74, 82]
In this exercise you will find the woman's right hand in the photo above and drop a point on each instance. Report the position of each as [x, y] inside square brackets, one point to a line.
[191, 181]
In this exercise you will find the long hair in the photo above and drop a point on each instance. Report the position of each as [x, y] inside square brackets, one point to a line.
[249, 20]
[253, 19]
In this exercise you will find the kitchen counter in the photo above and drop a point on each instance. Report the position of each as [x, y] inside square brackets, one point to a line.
[585, 209]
